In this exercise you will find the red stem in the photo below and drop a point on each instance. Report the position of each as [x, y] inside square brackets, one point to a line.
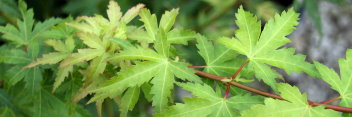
[267, 94]
[227, 91]
[197, 66]
[239, 69]
[234, 76]
[329, 101]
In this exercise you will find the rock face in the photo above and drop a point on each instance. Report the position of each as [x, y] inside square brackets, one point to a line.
[336, 38]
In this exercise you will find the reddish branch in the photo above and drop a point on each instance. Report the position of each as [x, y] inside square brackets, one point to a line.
[329, 101]
[234, 76]
[267, 94]
[239, 69]
[227, 91]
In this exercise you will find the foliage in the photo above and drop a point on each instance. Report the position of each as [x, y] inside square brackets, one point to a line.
[58, 67]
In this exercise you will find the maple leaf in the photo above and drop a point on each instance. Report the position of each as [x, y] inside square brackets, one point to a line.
[156, 66]
[174, 36]
[343, 83]
[295, 106]
[219, 60]
[208, 103]
[27, 36]
[64, 50]
[261, 48]
[99, 35]
[129, 100]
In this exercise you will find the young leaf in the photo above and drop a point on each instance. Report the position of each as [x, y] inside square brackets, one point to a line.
[207, 103]
[177, 36]
[82, 55]
[91, 40]
[161, 45]
[137, 53]
[131, 13]
[159, 68]
[295, 106]
[161, 89]
[51, 58]
[249, 30]
[128, 101]
[60, 76]
[168, 19]
[263, 51]
[150, 23]
[343, 83]
[99, 34]
[114, 12]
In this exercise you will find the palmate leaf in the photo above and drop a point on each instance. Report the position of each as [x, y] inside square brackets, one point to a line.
[100, 35]
[343, 83]
[27, 29]
[156, 66]
[295, 106]
[64, 51]
[27, 36]
[261, 48]
[94, 28]
[219, 60]
[208, 103]
[163, 73]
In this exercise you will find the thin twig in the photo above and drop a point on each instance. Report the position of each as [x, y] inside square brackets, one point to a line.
[227, 90]
[267, 94]
[329, 101]
[239, 69]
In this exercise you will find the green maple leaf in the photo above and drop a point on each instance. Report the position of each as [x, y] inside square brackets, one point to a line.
[176, 35]
[94, 28]
[261, 47]
[295, 106]
[100, 36]
[208, 103]
[343, 84]
[219, 60]
[27, 36]
[160, 68]
[129, 100]
[156, 66]
[64, 50]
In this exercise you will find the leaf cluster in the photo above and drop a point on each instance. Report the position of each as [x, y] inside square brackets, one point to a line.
[55, 67]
